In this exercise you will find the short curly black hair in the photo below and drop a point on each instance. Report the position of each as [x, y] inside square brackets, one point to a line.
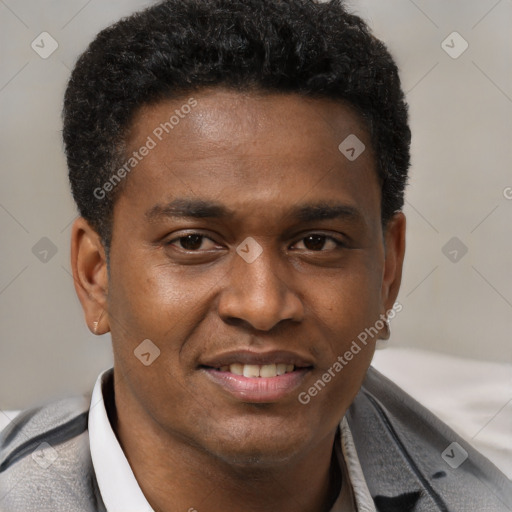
[317, 49]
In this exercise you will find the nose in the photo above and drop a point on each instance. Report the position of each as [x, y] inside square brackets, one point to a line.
[260, 293]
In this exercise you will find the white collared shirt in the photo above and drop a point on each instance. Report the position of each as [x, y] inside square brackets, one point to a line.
[121, 492]
[119, 489]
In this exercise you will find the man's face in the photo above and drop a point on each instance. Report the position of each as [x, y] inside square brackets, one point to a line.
[269, 283]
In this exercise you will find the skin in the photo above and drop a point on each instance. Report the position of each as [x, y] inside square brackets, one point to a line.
[260, 155]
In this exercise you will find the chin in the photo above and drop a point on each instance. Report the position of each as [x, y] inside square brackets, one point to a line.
[258, 447]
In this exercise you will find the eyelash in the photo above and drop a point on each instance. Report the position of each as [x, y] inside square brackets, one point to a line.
[339, 243]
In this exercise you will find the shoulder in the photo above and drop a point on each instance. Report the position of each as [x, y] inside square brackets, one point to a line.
[45, 459]
[53, 423]
[403, 447]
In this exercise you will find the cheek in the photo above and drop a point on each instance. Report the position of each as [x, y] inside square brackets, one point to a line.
[146, 304]
[148, 298]
[350, 302]
[133, 310]
[348, 309]
[159, 303]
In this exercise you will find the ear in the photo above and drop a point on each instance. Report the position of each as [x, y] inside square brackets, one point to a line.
[394, 237]
[89, 266]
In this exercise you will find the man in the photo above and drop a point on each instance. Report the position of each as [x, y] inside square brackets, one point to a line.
[239, 167]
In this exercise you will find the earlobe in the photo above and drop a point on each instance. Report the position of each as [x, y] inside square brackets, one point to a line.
[101, 326]
[394, 258]
[89, 266]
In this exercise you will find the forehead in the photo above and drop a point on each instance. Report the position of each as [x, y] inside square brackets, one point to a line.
[250, 150]
[222, 119]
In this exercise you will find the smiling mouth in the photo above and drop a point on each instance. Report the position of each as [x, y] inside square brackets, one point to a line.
[258, 377]
[266, 383]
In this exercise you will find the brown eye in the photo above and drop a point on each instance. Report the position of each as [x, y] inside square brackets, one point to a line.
[314, 242]
[317, 242]
[191, 242]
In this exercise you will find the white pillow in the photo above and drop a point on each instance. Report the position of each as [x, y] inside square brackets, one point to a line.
[473, 397]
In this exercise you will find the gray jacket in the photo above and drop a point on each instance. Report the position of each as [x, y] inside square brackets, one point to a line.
[406, 453]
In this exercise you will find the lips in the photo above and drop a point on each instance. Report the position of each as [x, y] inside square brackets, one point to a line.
[261, 377]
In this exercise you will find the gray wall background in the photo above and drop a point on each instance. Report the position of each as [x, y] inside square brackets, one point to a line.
[460, 186]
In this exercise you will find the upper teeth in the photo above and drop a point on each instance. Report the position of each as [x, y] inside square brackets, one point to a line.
[256, 370]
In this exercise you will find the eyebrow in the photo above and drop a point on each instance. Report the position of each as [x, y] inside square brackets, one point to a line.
[202, 209]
